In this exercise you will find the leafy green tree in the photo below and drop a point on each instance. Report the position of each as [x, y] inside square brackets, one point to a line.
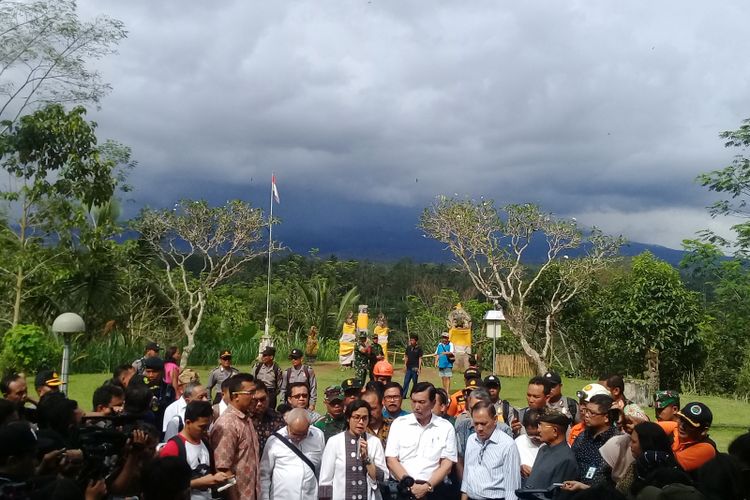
[44, 54]
[649, 312]
[54, 164]
[490, 247]
[27, 349]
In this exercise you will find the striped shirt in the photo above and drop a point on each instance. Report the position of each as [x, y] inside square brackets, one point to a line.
[495, 467]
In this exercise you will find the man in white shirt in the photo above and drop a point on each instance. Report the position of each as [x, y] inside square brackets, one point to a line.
[174, 415]
[284, 473]
[422, 446]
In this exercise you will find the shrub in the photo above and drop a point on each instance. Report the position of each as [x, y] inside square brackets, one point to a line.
[28, 348]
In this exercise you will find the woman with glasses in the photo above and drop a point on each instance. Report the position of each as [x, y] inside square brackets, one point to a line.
[353, 461]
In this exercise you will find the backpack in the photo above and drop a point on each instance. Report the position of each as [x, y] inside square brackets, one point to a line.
[507, 413]
[182, 454]
[572, 407]
[305, 369]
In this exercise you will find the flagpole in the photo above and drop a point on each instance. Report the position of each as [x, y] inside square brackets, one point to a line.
[266, 331]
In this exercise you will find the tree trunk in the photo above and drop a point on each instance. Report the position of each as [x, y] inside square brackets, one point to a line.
[190, 334]
[534, 357]
[19, 293]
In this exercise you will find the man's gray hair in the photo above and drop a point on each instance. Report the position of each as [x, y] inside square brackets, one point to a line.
[189, 388]
[297, 415]
[480, 394]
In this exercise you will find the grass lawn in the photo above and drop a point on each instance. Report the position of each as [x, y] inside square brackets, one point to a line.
[730, 416]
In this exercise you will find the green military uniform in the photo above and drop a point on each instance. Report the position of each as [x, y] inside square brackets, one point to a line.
[375, 351]
[331, 426]
[361, 359]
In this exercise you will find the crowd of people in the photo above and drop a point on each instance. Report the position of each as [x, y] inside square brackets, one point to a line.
[154, 431]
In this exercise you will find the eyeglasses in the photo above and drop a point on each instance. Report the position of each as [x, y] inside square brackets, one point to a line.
[227, 358]
[392, 398]
[360, 418]
[244, 392]
[299, 396]
[595, 413]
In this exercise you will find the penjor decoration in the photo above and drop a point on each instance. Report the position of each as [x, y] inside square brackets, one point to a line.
[346, 342]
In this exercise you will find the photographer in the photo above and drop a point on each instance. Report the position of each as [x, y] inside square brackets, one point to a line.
[191, 445]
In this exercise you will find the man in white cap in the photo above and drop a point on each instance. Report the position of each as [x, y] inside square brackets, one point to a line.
[584, 396]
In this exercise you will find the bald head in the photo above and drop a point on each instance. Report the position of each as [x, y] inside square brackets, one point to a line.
[297, 424]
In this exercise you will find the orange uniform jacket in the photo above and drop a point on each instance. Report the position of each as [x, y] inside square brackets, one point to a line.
[690, 456]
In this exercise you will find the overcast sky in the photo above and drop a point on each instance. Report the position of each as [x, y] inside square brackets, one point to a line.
[366, 110]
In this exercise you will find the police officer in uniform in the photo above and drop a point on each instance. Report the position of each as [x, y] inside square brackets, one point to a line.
[162, 393]
[352, 388]
[220, 374]
[334, 421]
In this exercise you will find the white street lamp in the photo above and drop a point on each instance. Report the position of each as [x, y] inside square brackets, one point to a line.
[494, 329]
[66, 324]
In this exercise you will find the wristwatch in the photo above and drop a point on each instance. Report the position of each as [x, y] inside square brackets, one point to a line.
[429, 485]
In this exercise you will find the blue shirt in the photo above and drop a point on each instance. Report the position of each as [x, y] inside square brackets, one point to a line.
[400, 414]
[495, 467]
[442, 358]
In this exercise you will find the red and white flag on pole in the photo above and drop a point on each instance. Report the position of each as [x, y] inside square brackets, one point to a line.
[274, 189]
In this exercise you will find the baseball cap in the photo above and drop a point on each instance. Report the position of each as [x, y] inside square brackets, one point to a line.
[351, 383]
[697, 414]
[187, 376]
[445, 335]
[553, 377]
[471, 384]
[269, 351]
[662, 399]
[362, 334]
[492, 380]
[295, 354]
[555, 417]
[333, 393]
[18, 439]
[226, 353]
[153, 346]
[472, 373]
[592, 390]
[49, 378]
[153, 363]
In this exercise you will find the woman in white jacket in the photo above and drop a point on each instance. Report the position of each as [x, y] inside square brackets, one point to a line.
[353, 461]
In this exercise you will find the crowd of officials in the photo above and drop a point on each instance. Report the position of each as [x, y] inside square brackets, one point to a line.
[157, 432]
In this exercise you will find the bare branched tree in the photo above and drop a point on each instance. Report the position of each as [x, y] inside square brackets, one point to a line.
[199, 247]
[44, 51]
[491, 249]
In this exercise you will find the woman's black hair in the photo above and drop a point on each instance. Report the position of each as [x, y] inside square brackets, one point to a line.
[356, 405]
[652, 437]
[169, 354]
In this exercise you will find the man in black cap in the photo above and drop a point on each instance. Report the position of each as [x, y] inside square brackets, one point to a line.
[300, 372]
[457, 400]
[555, 463]
[151, 351]
[566, 406]
[691, 445]
[47, 382]
[269, 372]
[220, 374]
[163, 393]
[352, 388]
[505, 411]
[334, 421]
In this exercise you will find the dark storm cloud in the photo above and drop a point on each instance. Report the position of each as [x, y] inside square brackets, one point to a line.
[600, 111]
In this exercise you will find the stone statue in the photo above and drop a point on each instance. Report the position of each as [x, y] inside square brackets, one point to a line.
[311, 349]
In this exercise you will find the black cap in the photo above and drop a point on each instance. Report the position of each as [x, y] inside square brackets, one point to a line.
[295, 354]
[49, 378]
[553, 377]
[492, 380]
[269, 351]
[153, 363]
[472, 373]
[472, 384]
[153, 346]
[555, 417]
[225, 354]
[696, 414]
[350, 384]
[18, 439]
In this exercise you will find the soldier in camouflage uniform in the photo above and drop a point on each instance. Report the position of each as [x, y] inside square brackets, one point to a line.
[362, 358]
[334, 421]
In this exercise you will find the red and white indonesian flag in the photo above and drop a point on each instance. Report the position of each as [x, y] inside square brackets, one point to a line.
[274, 189]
